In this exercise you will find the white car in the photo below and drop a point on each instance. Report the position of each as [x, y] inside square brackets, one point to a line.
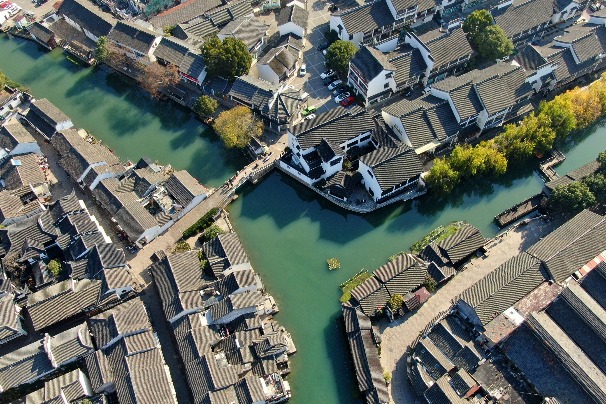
[334, 85]
[327, 73]
[310, 117]
[341, 97]
[303, 70]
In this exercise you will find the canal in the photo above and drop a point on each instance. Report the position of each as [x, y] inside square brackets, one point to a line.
[288, 232]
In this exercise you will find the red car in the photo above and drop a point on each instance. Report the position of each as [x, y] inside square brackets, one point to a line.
[348, 101]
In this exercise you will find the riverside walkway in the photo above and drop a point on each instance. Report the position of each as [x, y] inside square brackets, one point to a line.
[398, 336]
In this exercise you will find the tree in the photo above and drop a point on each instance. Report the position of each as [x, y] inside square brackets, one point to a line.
[442, 177]
[55, 268]
[602, 160]
[212, 232]
[228, 58]
[205, 106]
[395, 302]
[586, 106]
[560, 115]
[512, 142]
[181, 246]
[237, 126]
[339, 54]
[597, 185]
[571, 198]
[156, 77]
[102, 51]
[430, 284]
[492, 43]
[538, 129]
[476, 23]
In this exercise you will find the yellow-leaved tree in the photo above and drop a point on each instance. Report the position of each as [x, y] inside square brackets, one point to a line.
[237, 126]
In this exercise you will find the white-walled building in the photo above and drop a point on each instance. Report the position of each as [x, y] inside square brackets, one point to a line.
[172, 51]
[86, 17]
[46, 118]
[136, 41]
[293, 20]
[280, 63]
[16, 139]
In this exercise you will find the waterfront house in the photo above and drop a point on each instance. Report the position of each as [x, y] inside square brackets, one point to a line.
[250, 30]
[16, 139]
[21, 171]
[136, 41]
[277, 104]
[225, 254]
[377, 76]
[10, 99]
[424, 124]
[231, 307]
[280, 63]
[185, 191]
[485, 97]
[23, 365]
[46, 118]
[85, 160]
[187, 59]
[365, 354]
[578, 51]
[11, 319]
[293, 20]
[42, 35]
[183, 12]
[575, 175]
[402, 275]
[388, 172]
[86, 17]
[319, 145]
[74, 386]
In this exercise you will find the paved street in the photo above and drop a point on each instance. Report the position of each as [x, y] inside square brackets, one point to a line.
[397, 336]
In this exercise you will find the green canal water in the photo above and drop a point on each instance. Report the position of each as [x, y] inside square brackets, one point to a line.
[288, 232]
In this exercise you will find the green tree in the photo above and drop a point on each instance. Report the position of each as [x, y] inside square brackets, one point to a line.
[559, 114]
[212, 232]
[228, 58]
[205, 106]
[430, 284]
[572, 198]
[339, 54]
[102, 51]
[395, 302]
[55, 267]
[512, 142]
[442, 177]
[476, 23]
[597, 185]
[237, 126]
[602, 160]
[539, 130]
[492, 43]
[181, 246]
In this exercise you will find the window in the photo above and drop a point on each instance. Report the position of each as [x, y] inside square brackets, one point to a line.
[370, 192]
[335, 162]
[370, 173]
[351, 37]
[389, 75]
[365, 138]
[386, 85]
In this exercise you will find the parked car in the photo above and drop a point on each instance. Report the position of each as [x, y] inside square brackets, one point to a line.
[310, 117]
[328, 80]
[348, 101]
[303, 70]
[334, 85]
[309, 110]
[341, 97]
[327, 73]
[340, 89]
[323, 46]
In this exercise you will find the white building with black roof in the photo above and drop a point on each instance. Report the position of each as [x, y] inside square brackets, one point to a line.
[279, 63]
[424, 124]
[68, 346]
[16, 139]
[293, 20]
[319, 145]
[250, 30]
[86, 17]
[387, 172]
[23, 365]
[225, 254]
[172, 51]
[46, 118]
[184, 12]
[136, 41]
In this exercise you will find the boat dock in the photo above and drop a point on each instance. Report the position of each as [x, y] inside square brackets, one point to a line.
[546, 167]
[519, 210]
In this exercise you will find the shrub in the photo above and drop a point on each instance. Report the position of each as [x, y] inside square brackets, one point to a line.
[181, 246]
[212, 232]
[348, 285]
[55, 267]
[387, 376]
[395, 302]
[202, 224]
[430, 284]
[333, 263]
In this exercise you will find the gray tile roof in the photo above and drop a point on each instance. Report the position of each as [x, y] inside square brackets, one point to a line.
[196, 30]
[354, 319]
[371, 295]
[88, 16]
[22, 170]
[133, 36]
[442, 392]
[590, 44]
[393, 166]
[14, 133]
[295, 14]
[464, 242]
[9, 323]
[23, 365]
[171, 50]
[249, 30]
[408, 63]
[503, 287]
[575, 175]
[61, 301]
[124, 319]
[402, 274]
[281, 59]
[254, 92]
[402, 5]
[337, 126]
[435, 362]
[369, 62]
[44, 109]
[69, 386]
[183, 187]
[530, 59]
[503, 90]
[184, 12]
[249, 390]
[69, 345]
[224, 251]
[151, 381]
[367, 17]
[40, 32]
[573, 359]
[234, 302]
[523, 15]
[594, 283]
[446, 47]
